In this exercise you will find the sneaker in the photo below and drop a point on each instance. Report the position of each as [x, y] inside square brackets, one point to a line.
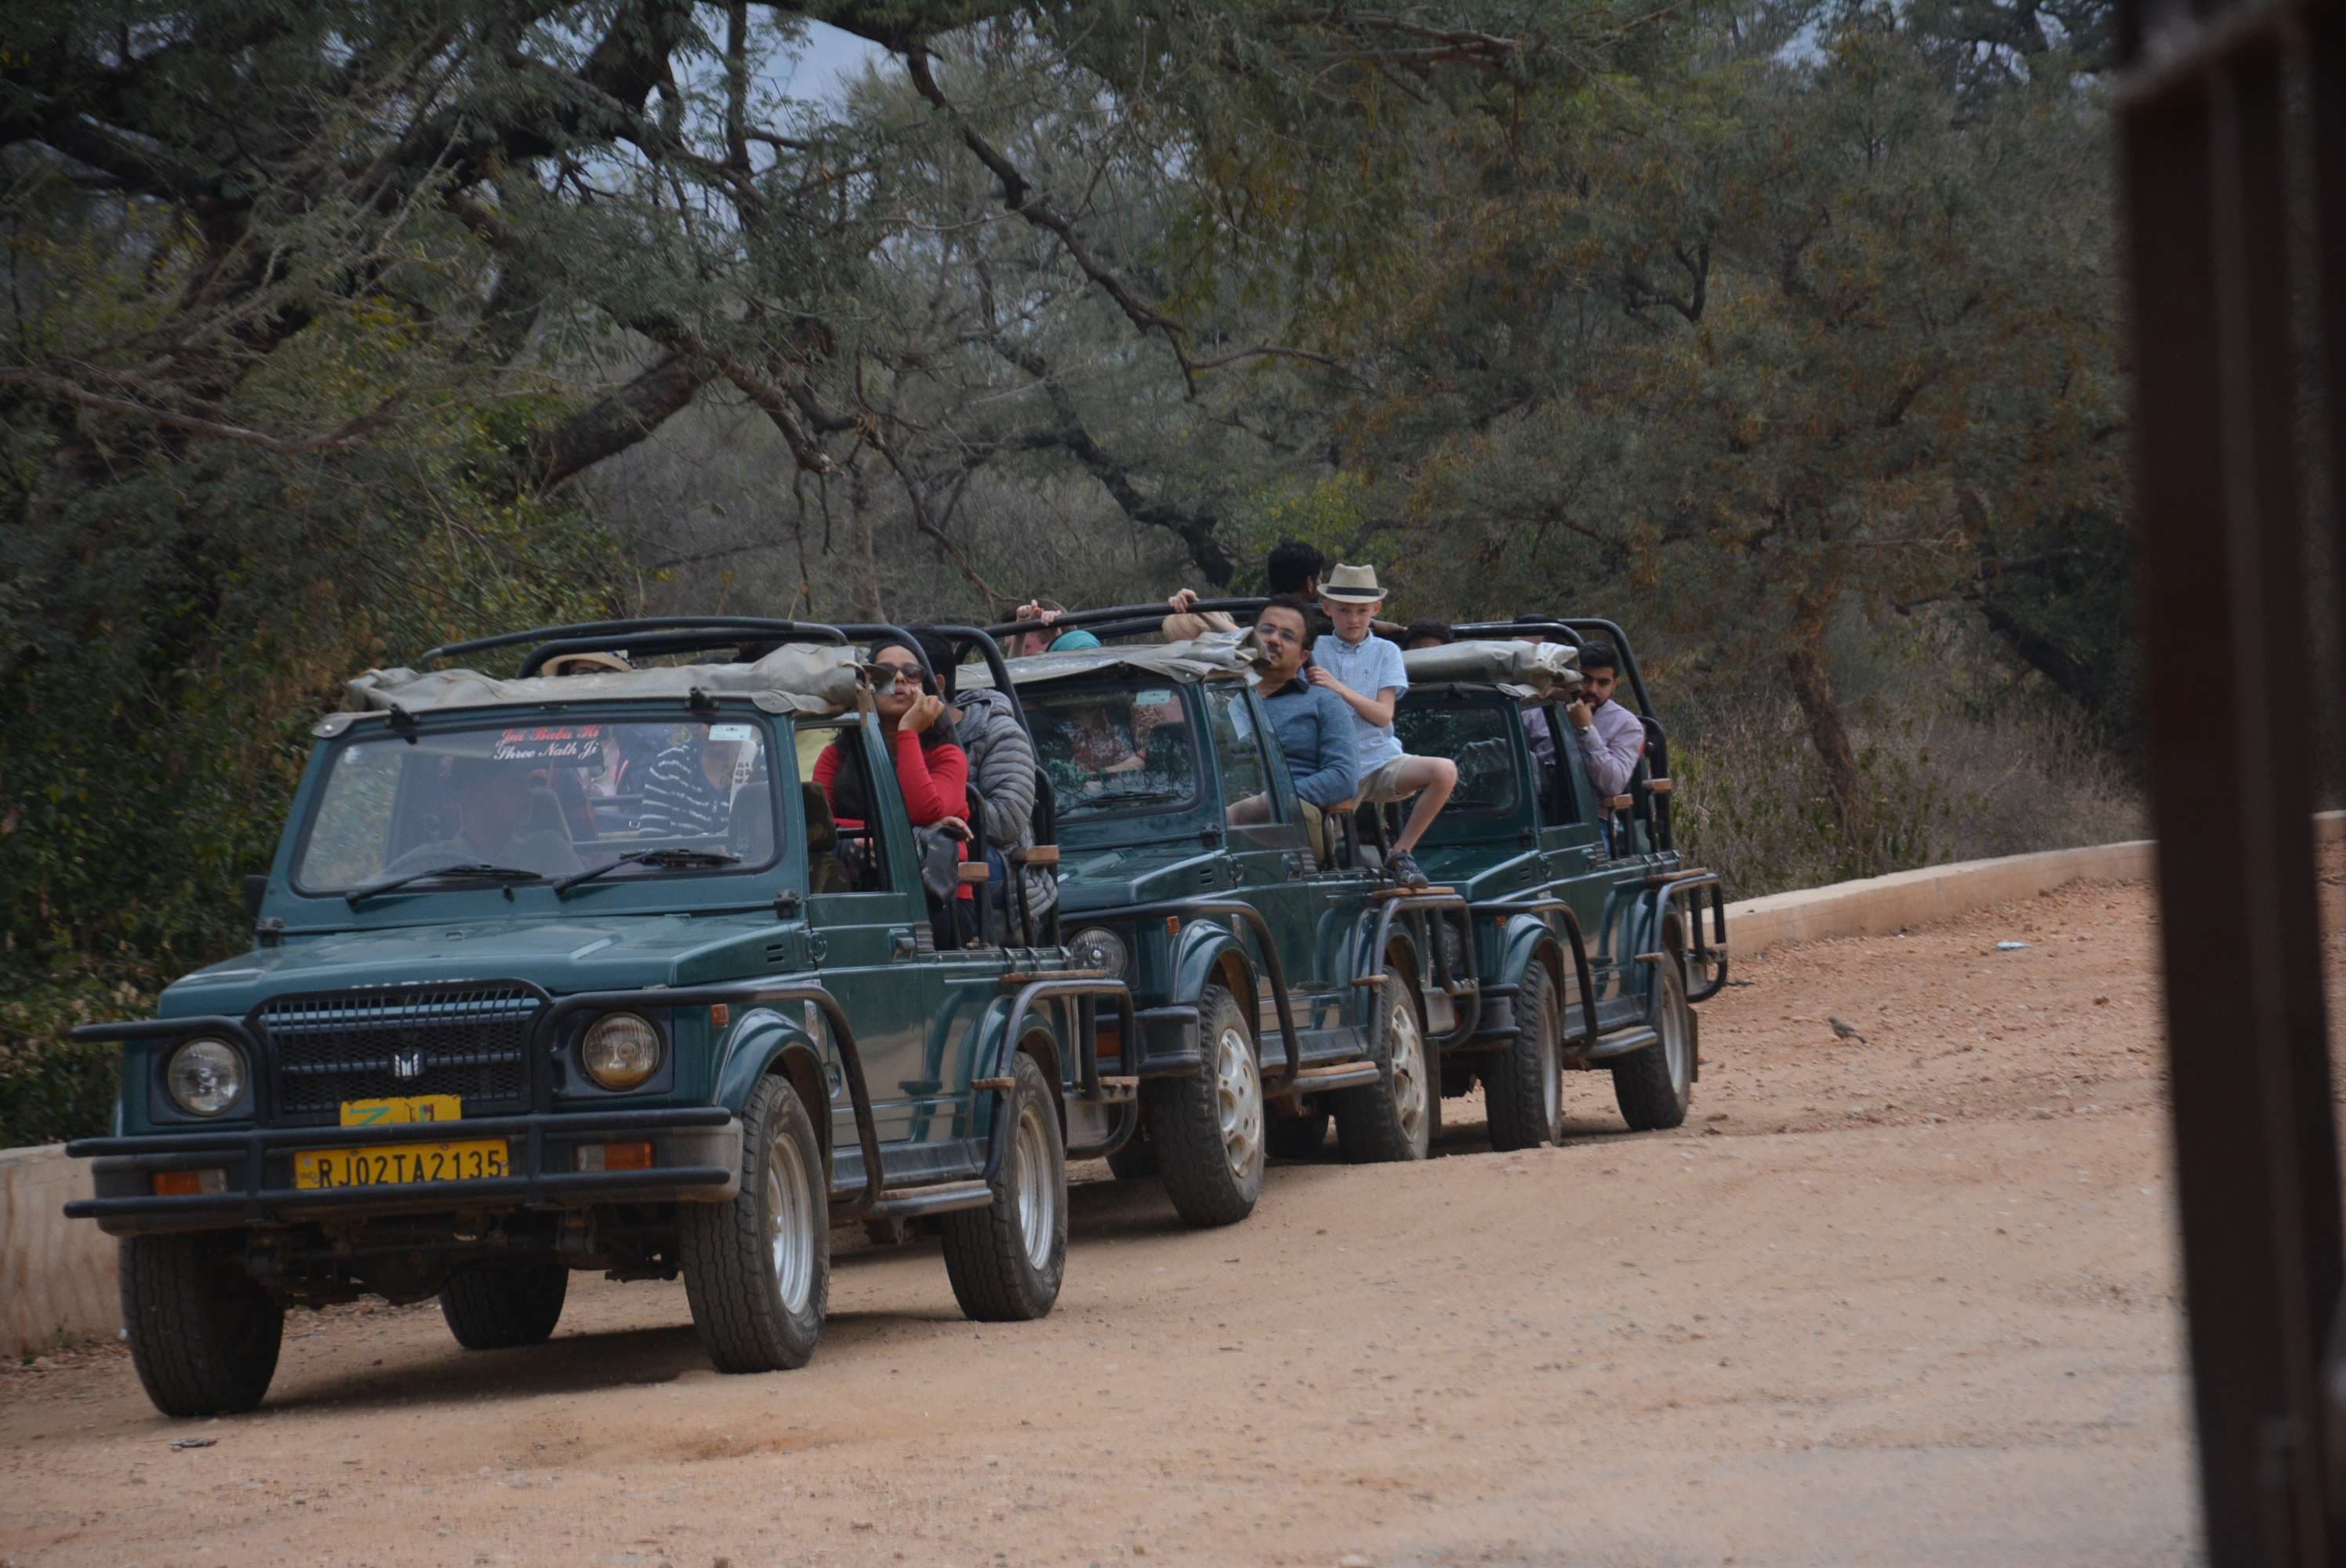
[1402, 867]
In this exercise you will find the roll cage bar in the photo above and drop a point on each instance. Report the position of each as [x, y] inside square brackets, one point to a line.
[1129, 620]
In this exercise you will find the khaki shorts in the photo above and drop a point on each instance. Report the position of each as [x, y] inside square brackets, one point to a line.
[1382, 784]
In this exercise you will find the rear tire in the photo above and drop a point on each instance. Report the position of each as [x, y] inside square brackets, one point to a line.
[203, 1335]
[497, 1306]
[1006, 1260]
[1523, 1088]
[1207, 1125]
[1298, 1137]
[757, 1267]
[1392, 1119]
[1655, 1086]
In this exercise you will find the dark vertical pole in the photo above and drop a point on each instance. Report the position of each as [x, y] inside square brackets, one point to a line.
[2231, 762]
[2233, 752]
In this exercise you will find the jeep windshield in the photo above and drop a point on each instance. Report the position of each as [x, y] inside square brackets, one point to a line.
[1114, 750]
[539, 801]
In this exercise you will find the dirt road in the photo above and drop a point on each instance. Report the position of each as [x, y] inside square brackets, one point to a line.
[1911, 1299]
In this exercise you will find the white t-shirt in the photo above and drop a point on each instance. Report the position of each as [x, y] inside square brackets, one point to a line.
[1367, 667]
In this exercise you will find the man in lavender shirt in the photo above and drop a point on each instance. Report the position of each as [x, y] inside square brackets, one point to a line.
[1611, 738]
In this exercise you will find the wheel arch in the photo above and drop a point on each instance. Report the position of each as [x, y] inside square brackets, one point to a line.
[766, 1041]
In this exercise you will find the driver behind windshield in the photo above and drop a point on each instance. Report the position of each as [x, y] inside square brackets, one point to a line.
[494, 802]
[690, 792]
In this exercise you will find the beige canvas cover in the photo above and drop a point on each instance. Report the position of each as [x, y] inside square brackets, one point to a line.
[1216, 656]
[798, 677]
[1524, 669]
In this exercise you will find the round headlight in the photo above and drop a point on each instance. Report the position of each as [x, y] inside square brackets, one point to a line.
[205, 1076]
[621, 1050]
[1098, 948]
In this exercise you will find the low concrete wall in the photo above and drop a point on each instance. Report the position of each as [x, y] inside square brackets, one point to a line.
[1882, 906]
[56, 1275]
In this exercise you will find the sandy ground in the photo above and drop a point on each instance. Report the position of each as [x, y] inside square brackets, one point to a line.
[1907, 1300]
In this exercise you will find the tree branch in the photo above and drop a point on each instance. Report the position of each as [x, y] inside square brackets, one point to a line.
[214, 430]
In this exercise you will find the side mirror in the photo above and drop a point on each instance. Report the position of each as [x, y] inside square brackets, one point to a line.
[256, 889]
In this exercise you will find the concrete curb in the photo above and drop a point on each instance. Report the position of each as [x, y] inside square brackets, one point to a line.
[57, 1276]
[1881, 906]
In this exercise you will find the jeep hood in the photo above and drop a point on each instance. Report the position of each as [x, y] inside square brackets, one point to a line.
[1102, 877]
[562, 956]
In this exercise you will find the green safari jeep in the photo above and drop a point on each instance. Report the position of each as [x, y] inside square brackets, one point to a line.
[576, 971]
[1272, 987]
[1589, 956]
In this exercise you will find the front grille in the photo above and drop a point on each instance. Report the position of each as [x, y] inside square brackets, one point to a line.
[472, 1041]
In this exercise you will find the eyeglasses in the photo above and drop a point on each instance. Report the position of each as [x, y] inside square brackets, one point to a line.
[904, 672]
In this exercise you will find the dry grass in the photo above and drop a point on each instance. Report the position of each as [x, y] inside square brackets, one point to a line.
[1959, 773]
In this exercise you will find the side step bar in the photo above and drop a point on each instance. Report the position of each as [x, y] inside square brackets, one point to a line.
[945, 1197]
[1623, 1041]
[1318, 1080]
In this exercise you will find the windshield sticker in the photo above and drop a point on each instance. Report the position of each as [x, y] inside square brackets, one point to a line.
[729, 734]
[550, 743]
[1156, 697]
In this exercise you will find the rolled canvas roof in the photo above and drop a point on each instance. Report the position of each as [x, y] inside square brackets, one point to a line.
[1528, 669]
[1216, 656]
[798, 677]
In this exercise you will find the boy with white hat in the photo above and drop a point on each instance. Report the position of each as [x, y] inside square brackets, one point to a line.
[1365, 671]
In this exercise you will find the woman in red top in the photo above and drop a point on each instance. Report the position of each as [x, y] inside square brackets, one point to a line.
[932, 771]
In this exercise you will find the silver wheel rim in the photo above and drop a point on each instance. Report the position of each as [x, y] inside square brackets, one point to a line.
[1238, 1102]
[1551, 1072]
[1038, 1195]
[1408, 1069]
[789, 1210]
[1675, 1054]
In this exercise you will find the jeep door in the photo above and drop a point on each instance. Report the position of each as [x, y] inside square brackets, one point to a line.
[1269, 856]
[868, 928]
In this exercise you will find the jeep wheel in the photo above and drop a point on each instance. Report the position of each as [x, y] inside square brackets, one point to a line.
[203, 1335]
[1523, 1087]
[1298, 1137]
[496, 1306]
[1392, 1119]
[1206, 1123]
[1655, 1085]
[1135, 1159]
[757, 1267]
[1006, 1260]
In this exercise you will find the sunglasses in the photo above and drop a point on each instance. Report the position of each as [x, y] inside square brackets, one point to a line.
[904, 672]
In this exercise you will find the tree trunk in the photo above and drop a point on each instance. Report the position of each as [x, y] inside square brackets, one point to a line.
[865, 566]
[1812, 688]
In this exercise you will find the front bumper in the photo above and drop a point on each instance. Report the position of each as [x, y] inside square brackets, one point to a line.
[696, 1156]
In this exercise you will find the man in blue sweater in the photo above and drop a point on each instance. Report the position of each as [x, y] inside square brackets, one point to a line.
[1313, 725]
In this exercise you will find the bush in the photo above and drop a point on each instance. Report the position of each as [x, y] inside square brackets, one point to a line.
[50, 1088]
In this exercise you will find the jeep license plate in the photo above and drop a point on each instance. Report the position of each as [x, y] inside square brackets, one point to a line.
[393, 1165]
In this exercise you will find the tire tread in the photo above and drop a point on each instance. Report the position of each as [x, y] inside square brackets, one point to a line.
[1514, 1092]
[204, 1340]
[1185, 1126]
[728, 1278]
[986, 1254]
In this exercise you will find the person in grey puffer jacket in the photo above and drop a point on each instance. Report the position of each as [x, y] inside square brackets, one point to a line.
[1001, 770]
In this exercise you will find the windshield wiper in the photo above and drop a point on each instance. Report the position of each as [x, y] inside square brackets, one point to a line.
[469, 871]
[663, 857]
